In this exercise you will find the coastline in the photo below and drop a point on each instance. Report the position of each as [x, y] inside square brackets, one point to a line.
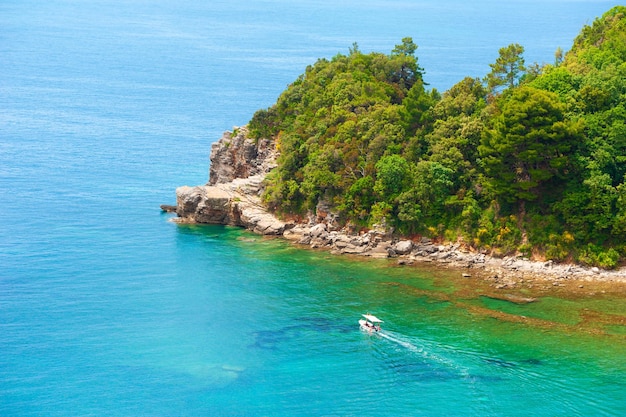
[232, 197]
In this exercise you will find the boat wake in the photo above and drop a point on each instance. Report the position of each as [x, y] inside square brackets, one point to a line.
[424, 350]
[441, 362]
[465, 364]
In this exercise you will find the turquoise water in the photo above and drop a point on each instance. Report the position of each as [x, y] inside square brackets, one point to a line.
[108, 308]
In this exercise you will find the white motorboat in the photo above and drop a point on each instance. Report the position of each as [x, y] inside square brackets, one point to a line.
[370, 323]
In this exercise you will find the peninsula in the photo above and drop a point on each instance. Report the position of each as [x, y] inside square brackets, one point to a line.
[516, 177]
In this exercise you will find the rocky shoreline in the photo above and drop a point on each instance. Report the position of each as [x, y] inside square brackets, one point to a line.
[232, 197]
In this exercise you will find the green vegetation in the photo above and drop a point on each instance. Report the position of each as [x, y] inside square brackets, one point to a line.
[530, 159]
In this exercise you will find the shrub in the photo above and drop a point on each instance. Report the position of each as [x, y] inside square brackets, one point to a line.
[595, 255]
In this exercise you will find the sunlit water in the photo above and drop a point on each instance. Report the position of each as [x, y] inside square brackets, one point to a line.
[108, 308]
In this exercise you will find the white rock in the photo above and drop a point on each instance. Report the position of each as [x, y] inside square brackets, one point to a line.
[403, 247]
[317, 230]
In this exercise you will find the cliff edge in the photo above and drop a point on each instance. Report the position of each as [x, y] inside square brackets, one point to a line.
[235, 155]
[232, 196]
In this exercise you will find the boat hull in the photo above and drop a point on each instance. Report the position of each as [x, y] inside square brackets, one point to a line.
[368, 327]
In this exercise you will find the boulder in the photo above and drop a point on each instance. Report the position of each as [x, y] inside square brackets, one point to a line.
[258, 220]
[403, 247]
[318, 231]
[294, 234]
[352, 250]
[380, 251]
[306, 240]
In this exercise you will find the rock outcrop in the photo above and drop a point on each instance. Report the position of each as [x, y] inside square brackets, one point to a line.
[203, 204]
[235, 203]
[232, 197]
[235, 155]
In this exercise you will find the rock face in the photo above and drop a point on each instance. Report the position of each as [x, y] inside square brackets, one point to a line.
[236, 155]
[238, 168]
[203, 204]
[235, 203]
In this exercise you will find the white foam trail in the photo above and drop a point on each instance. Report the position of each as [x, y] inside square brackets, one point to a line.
[422, 351]
[426, 350]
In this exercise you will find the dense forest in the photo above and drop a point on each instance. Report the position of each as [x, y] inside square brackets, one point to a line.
[530, 159]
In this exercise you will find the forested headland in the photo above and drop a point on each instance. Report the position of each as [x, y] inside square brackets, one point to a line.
[530, 159]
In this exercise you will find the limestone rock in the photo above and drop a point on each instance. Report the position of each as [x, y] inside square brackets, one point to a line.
[238, 167]
[380, 251]
[403, 247]
[235, 155]
[317, 231]
[202, 204]
[235, 203]
[294, 234]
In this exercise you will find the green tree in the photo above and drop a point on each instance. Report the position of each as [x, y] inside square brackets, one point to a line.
[392, 176]
[359, 200]
[264, 124]
[508, 68]
[354, 49]
[407, 47]
[458, 126]
[619, 221]
[528, 146]
[415, 108]
[588, 208]
[432, 184]
[421, 204]
[402, 68]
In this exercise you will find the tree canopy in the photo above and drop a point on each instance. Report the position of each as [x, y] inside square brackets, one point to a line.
[530, 159]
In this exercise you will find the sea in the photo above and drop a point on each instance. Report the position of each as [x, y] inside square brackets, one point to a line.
[108, 308]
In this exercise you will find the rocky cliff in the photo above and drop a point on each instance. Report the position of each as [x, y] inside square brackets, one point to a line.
[235, 203]
[235, 155]
[232, 196]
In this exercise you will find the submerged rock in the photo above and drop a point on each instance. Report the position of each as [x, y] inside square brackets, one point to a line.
[516, 299]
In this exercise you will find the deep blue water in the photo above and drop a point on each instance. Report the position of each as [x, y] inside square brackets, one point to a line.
[108, 308]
